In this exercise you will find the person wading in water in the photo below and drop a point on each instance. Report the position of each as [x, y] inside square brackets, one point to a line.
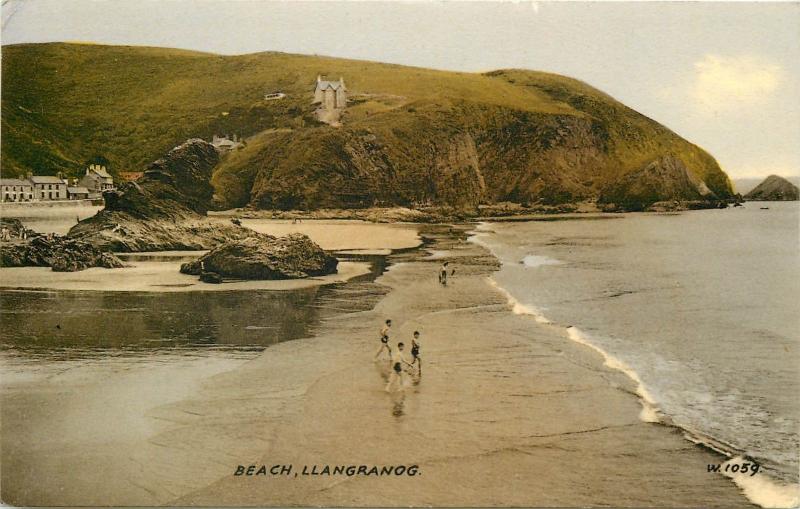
[416, 359]
[443, 273]
[383, 335]
[396, 374]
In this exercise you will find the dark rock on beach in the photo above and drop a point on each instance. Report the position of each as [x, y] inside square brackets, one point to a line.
[210, 277]
[774, 188]
[63, 254]
[163, 210]
[265, 257]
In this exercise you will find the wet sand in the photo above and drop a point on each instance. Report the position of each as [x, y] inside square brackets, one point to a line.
[338, 235]
[507, 412]
[144, 276]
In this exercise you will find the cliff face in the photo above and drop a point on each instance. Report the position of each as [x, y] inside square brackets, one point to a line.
[463, 153]
[164, 210]
[774, 188]
[409, 136]
[661, 180]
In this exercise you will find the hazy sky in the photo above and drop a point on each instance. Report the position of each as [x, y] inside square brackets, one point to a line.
[723, 75]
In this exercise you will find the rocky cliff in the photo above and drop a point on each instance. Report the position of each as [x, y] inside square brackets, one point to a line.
[665, 179]
[409, 136]
[774, 188]
[164, 210]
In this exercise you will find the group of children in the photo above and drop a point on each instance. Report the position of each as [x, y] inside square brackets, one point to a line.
[397, 359]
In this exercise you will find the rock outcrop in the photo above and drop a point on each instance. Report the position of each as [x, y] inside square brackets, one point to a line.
[664, 180]
[63, 254]
[165, 209]
[774, 188]
[264, 257]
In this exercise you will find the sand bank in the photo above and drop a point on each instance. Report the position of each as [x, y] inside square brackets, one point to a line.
[507, 412]
[143, 276]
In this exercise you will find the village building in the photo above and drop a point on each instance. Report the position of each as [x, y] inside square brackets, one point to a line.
[47, 188]
[273, 96]
[331, 96]
[16, 190]
[77, 193]
[97, 180]
[224, 144]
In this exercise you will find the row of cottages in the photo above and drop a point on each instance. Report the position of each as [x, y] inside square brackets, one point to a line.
[33, 188]
[50, 188]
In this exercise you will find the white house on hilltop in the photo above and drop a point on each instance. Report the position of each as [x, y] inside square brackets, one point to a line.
[331, 95]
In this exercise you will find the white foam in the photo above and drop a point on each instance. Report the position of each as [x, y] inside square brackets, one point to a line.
[538, 261]
[761, 489]
[650, 411]
[519, 308]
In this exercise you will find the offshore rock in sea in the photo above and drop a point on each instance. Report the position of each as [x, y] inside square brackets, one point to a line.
[265, 257]
[774, 188]
[61, 253]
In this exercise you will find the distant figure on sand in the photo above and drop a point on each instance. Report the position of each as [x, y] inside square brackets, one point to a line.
[443, 273]
[396, 374]
[416, 359]
[383, 335]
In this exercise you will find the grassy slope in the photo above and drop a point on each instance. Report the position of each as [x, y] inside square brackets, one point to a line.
[65, 103]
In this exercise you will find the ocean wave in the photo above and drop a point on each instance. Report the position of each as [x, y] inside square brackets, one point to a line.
[760, 489]
[538, 261]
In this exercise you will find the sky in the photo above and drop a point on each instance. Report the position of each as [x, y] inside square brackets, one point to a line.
[725, 76]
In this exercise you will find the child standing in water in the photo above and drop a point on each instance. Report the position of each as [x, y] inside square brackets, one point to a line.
[383, 335]
[415, 353]
[396, 374]
[443, 273]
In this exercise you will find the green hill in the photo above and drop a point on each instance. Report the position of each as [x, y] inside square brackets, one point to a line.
[410, 135]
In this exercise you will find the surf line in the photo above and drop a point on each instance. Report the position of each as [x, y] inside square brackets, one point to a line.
[762, 490]
[650, 411]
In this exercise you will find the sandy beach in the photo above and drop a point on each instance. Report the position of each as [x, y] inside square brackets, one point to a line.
[508, 412]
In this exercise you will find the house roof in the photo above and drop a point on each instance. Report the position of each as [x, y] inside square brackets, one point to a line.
[45, 179]
[14, 182]
[102, 172]
[225, 142]
[323, 84]
[77, 190]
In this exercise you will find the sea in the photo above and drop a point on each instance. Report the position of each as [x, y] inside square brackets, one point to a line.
[701, 309]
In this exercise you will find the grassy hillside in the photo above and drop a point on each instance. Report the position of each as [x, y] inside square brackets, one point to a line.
[410, 135]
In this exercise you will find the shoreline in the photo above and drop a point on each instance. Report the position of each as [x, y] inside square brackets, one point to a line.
[505, 454]
[767, 489]
[509, 412]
